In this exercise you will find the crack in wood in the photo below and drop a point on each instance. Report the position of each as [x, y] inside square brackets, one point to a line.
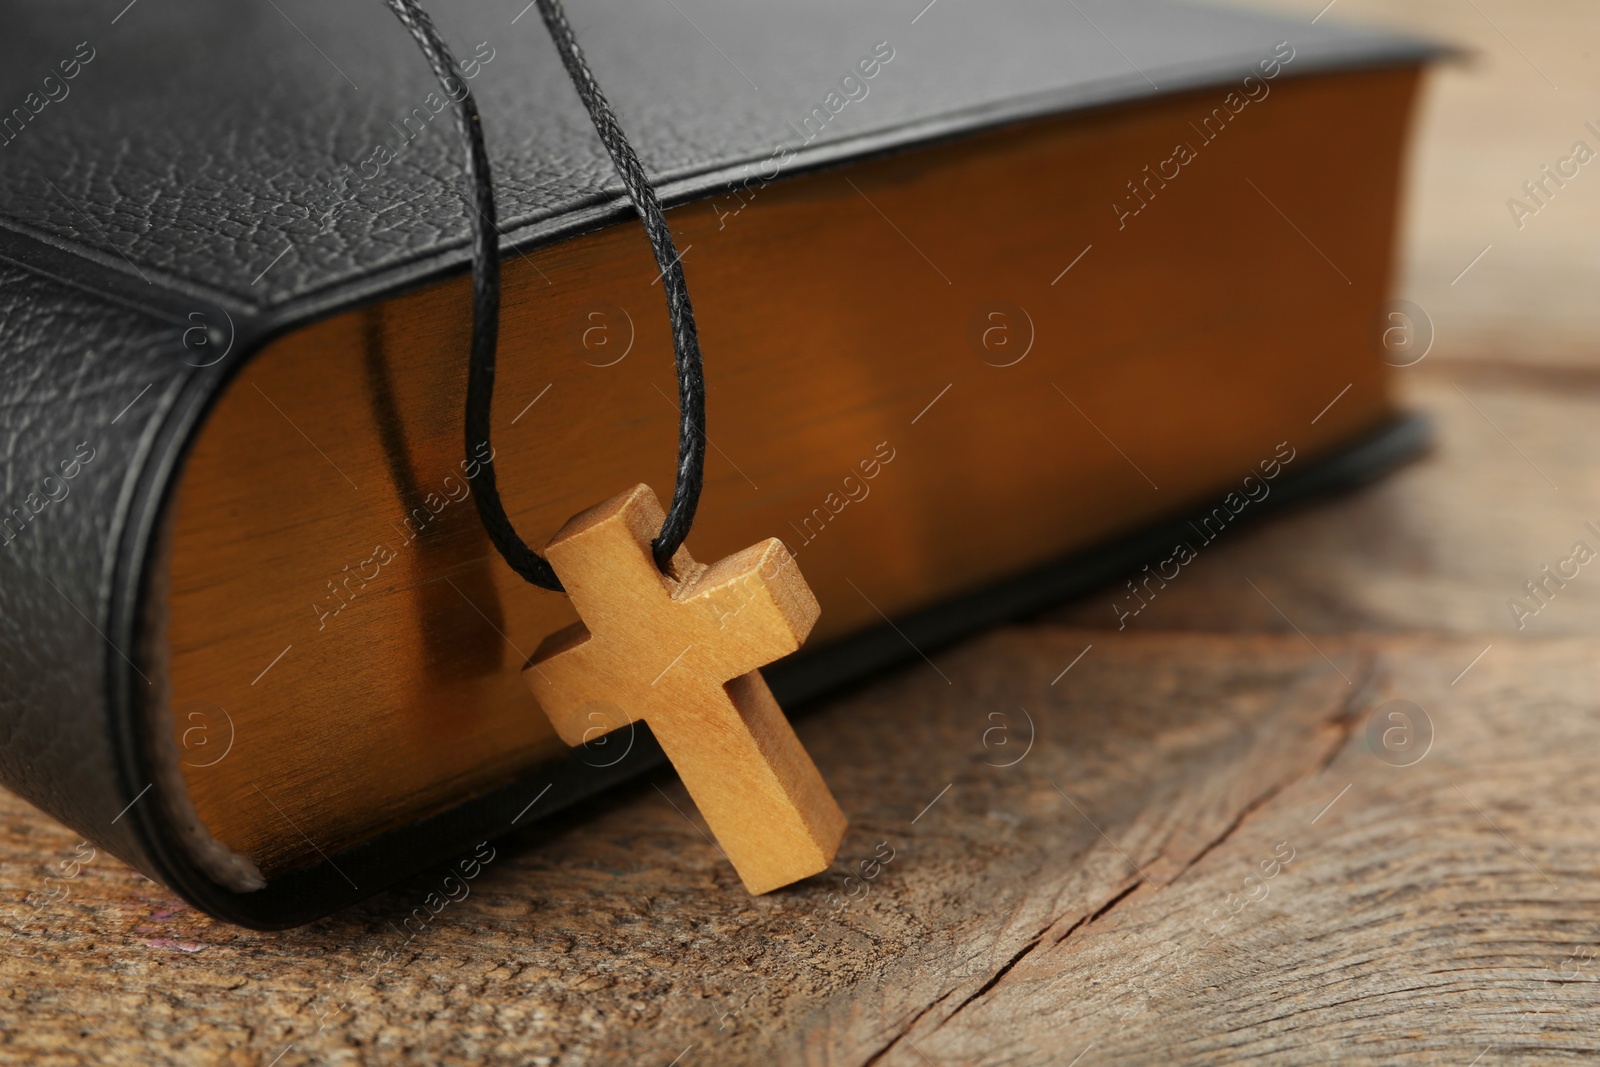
[1087, 920]
[1343, 721]
[903, 1034]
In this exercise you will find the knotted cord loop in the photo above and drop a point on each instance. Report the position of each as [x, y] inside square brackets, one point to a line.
[486, 292]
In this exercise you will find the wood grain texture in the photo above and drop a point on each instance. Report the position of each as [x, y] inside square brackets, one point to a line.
[709, 630]
[1432, 911]
[978, 912]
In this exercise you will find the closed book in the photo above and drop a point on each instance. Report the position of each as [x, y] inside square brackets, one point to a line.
[995, 300]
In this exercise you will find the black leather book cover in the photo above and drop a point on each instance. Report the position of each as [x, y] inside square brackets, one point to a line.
[182, 181]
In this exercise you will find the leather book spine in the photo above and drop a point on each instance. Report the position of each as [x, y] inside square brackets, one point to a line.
[88, 382]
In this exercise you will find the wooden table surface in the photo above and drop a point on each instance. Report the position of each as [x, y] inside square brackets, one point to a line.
[1210, 840]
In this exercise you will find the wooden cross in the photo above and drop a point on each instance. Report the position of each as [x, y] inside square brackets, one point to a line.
[681, 652]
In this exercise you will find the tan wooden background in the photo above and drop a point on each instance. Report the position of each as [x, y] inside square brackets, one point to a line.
[1219, 846]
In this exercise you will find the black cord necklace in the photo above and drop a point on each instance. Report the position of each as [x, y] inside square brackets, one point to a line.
[486, 292]
[745, 768]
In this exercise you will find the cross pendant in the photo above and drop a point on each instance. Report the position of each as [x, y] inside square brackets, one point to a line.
[681, 651]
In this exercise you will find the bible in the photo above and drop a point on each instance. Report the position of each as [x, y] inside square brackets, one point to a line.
[995, 302]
